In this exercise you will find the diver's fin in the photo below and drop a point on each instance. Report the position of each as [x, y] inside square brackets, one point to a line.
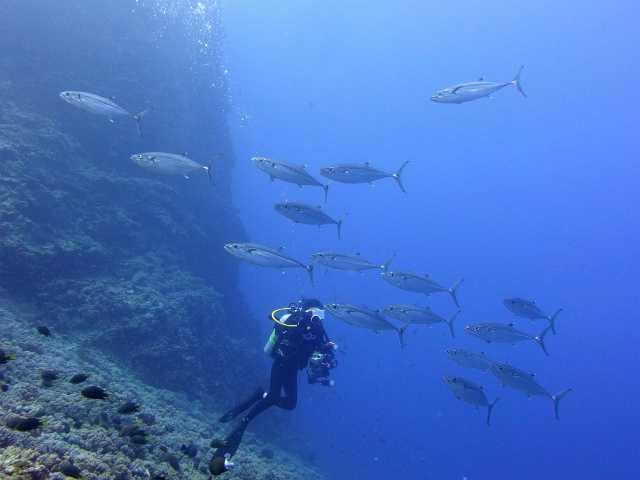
[516, 82]
[552, 320]
[450, 323]
[490, 410]
[453, 291]
[138, 118]
[556, 401]
[242, 406]
[233, 441]
[540, 340]
[397, 176]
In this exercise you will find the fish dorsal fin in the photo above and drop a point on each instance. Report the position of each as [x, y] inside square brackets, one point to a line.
[481, 79]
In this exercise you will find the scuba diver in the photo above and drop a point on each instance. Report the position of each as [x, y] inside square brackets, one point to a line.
[298, 340]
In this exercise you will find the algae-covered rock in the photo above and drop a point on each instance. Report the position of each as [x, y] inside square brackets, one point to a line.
[130, 262]
[78, 437]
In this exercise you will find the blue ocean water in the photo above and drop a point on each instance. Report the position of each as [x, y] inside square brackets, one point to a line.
[522, 197]
[530, 197]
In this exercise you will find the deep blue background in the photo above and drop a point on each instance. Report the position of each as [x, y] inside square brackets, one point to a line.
[528, 197]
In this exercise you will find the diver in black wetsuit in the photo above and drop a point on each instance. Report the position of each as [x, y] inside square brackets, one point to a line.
[298, 340]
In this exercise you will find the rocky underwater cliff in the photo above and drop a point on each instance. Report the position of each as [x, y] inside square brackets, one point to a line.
[124, 267]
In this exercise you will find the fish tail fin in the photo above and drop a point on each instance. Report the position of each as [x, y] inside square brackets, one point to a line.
[450, 323]
[556, 401]
[490, 410]
[517, 83]
[397, 176]
[401, 331]
[326, 192]
[540, 340]
[552, 320]
[138, 118]
[309, 269]
[385, 266]
[453, 291]
[339, 225]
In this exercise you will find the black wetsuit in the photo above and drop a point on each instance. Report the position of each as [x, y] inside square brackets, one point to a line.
[291, 353]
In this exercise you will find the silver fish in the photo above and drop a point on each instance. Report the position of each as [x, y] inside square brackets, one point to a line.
[341, 261]
[364, 318]
[528, 309]
[420, 284]
[410, 314]
[469, 359]
[90, 102]
[169, 164]
[361, 173]
[469, 392]
[265, 257]
[288, 172]
[525, 382]
[467, 92]
[308, 214]
[505, 333]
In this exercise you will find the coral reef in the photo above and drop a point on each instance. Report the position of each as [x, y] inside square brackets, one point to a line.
[89, 436]
[118, 258]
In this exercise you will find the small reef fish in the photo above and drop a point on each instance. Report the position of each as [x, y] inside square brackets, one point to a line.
[70, 470]
[525, 382]
[90, 102]
[411, 314]
[218, 443]
[528, 309]
[42, 330]
[420, 284]
[364, 318]
[48, 377]
[471, 393]
[265, 257]
[469, 359]
[307, 214]
[505, 333]
[361, 173]
[467, 92]
[170, 164]
[287, 172]
[94, 393]
[78, 378]
[6, 357]
[22, 424]
[129, 408]
[341, 261]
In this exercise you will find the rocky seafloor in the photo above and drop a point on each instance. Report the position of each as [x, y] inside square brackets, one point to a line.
[91, 435]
